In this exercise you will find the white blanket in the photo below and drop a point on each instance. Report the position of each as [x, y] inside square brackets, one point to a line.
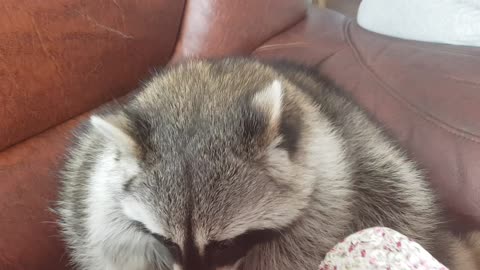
[442, 21]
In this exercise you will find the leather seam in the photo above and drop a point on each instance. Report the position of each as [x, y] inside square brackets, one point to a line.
[298, 44]
[411, 107]
[285, 29]
[179, 32]
[272, 47]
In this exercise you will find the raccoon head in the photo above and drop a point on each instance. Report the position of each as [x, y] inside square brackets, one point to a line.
[208, 177]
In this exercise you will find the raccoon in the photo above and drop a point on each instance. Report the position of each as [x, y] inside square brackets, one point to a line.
[237, 164]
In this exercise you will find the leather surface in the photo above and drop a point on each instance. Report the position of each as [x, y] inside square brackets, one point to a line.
[61, 58]
[319, 36]
[214, 28]
[427, 95]
[28, 184]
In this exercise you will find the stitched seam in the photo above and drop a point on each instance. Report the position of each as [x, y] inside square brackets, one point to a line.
[473, 56]
[271, 47]
[285, 29]
[390, 90]
[299, 44]
[306, 46]
[179, 31]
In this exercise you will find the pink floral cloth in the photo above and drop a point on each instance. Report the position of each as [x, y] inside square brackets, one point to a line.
[379, 248]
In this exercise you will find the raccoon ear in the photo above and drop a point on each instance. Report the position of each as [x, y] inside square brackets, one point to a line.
[269, 101]
[111, 129]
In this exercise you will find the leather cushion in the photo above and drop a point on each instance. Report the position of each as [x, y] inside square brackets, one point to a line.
[425, 94]
[28, 187]
[59, 59]
[214, 28]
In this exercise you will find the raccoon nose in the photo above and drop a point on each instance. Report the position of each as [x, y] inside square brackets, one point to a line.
[195, 265]
[193, 260]
[190, 267]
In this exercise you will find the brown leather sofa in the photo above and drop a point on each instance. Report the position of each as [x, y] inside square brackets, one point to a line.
[61, 59]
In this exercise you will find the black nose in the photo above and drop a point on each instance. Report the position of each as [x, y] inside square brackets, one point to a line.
[193, 260]
[192, 265]
[195, 266]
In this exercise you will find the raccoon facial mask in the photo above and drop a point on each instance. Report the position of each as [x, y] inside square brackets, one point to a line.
[236, 164]
[141, 179]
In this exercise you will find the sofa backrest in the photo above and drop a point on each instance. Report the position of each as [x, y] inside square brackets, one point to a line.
[59, 59]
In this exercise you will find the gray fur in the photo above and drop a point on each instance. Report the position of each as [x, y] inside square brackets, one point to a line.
[212, 164]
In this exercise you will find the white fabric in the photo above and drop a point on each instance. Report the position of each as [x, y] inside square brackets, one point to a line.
[442, 21]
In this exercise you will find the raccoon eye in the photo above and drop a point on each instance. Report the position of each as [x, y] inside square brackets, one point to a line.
[228, 252]
[139, 226]
[164, 240]
[222, 254]
[169, 244]
[224, 245]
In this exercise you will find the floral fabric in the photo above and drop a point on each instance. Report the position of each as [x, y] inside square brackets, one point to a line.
[379, 248]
